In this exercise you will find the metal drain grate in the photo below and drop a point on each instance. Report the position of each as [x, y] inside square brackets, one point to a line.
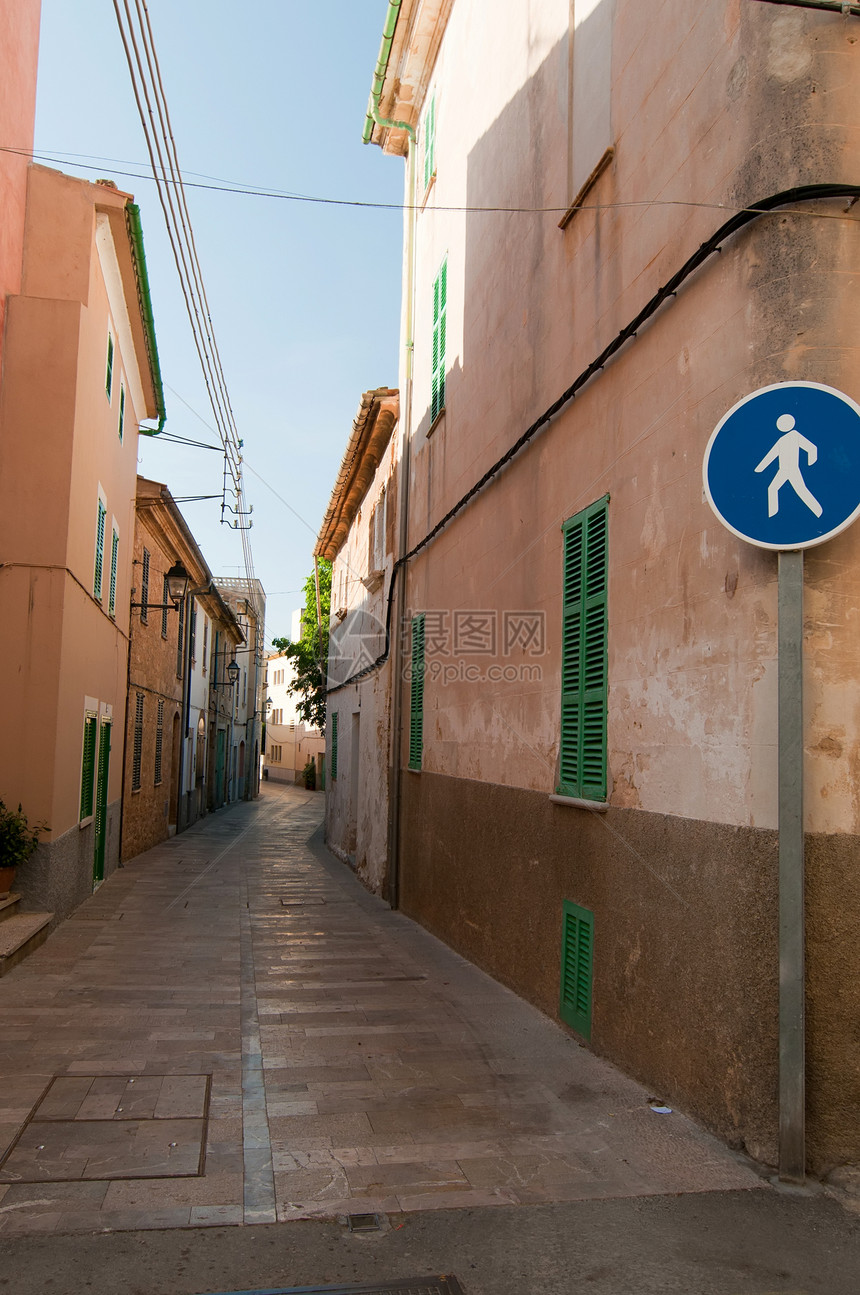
[418, 1286]
[363, 1222]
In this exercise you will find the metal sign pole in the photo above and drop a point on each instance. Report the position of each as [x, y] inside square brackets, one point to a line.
[792, 1041]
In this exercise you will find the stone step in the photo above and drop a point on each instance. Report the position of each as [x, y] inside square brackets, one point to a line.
[8, 906]
[20, 935]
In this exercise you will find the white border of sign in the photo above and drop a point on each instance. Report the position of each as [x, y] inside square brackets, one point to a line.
[807, 544]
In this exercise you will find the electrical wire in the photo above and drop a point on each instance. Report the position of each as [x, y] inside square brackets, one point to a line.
[138, 44]
[285, 195]
[801, 193]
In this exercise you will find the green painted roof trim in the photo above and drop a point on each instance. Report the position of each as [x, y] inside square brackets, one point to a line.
[135, 232]
[380, 72]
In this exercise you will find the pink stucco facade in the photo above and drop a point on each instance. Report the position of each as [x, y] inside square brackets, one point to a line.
[19, 43]
[580, 154]
[68, 459]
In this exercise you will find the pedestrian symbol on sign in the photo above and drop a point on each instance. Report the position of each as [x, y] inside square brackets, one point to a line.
[787, 452]
[798, 443]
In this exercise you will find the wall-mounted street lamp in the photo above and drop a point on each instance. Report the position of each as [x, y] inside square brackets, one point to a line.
[178, 581]
[232, 671]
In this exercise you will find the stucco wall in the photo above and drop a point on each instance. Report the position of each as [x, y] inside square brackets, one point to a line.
[357, 800]
[712, 107]
[19, 41]
[61, 452]
[685, 944]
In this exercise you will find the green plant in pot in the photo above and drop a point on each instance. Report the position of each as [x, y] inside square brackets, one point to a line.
[309, 776]
[18, 840]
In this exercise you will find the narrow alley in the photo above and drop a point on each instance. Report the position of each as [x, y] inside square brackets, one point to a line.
[231, 1030]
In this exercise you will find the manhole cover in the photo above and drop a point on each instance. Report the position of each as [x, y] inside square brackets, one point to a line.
[417, 1286]
[103, 1127]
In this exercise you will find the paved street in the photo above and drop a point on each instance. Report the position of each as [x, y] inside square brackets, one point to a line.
[233, 1031]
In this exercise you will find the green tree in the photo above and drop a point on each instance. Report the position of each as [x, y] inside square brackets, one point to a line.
[310, 654]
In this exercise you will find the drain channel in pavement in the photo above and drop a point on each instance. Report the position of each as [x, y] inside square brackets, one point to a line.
[417, 1286]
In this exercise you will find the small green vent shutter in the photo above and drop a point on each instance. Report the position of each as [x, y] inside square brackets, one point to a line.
[334, 744]
[416, 709]
[88, 764]
[440, 318]
[584, 655]
[577, 945]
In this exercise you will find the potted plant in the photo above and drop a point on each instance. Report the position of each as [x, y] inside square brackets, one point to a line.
[17, 842]
[309, 776]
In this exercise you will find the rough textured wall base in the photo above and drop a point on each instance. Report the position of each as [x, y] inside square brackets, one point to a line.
[59, 876]
[685, 987]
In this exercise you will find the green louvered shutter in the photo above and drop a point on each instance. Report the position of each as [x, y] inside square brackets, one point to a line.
[584, 655]
[101, 801]
[114, 554]
[416, 708]
[429, 134]
[88, 764]
[137, 744]
[109, 369]
[333, 744]
[121, 411]
[100, 551]
[440, 317]
[577, 952]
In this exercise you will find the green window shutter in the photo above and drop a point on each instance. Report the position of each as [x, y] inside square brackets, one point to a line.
[584, 686]
[429, 134]
[165, 603]
[159, 742]
[114, 554]
[137, 745]
[416, 708]
[440, 325]
[180, 640]
[88, 763]
[577, 952]
[333, 744]
[144, 586]
[109, 373]
[121, 411]
[100, 551]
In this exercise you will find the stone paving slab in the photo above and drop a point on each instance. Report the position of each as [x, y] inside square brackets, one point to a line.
[236, 989]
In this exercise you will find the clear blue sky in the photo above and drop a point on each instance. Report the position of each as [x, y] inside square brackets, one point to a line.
[304, 297]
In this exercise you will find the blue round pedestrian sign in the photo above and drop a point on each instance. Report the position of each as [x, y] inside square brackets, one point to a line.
[782, 467]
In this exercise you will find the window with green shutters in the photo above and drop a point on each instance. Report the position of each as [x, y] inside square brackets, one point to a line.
[137, 742]
[428, 136]
[416, 708]
[440, 313]
[334, 744]
[144, 587]
[121, 411]
[159, 742]
[577, 952]
[582, 769]
[109, 370]
[100, 551]
[88, 763]
[114, 554]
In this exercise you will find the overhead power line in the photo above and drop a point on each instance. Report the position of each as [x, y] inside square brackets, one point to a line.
[138, 43]
[243, 190]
